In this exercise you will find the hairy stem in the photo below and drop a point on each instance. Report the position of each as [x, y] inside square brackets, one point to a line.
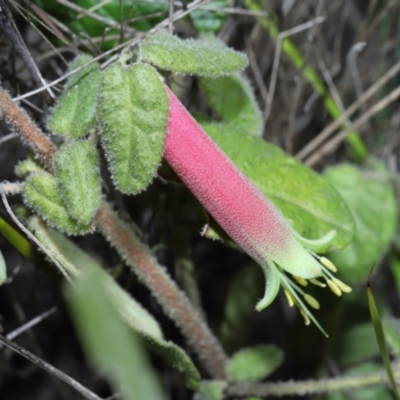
[136, 254]
[173, 301]
[302, 388]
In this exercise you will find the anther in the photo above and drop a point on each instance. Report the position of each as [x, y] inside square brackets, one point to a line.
[328, 264]
[317, 283]
[289, 298]
[311, 301]
[306, 318]
[300, 281]
[342, 286]
[335, 289]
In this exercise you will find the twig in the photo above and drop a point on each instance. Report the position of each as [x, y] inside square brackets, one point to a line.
[30, 324]
[329, 146]
[352, 63]
[194, 5]
[86, 393]
[8, 137]
[10, 30]
[275, 65]
[301, 155]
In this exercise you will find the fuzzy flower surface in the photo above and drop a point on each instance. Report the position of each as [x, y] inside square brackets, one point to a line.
[246, 215]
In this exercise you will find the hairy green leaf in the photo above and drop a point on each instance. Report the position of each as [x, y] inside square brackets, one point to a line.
[133, 108]
[74, 114]
[78, 179]
[203, 57]
[254, 363]
[108, 342]
[374, 209]
[232, 99]
[306, 199]
[27, 167]
[211, 390]
[41, 194]
[75, 261]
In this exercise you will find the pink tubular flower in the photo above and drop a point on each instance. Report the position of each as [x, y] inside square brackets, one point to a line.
[246, 215]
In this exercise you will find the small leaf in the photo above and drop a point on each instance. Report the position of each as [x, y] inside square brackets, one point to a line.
[3, 269]
[133, 110]
[108, 342]
[307, 200]
[41, 194]
[232, 99]
[27, 167]
[75, 261]
[374, 209]
[74, 114]
[211, 390]
[203, 57]
[254, 363]
[78, 180]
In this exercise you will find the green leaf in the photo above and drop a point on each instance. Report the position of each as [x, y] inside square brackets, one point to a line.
[75, 261]
[27, 167]
[306, 199]
[41, 194]
[74, 114]
[232, 99]
[380, 337]
[108, 342]
[391, 326]
[142, 322]
[3, 269]
[203, 57]
[207, 20]
[374, 209]
[133, 109]
[356, 345]
[244, 291]
[78, 180]
[254, 363]
[211, 390]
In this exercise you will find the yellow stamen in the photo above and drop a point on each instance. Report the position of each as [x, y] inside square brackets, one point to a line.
[300, 281]
[311, 301]
[335, 289]
[317, 283]
[342, 286]
[289, 298]
[328, 264]
[306, 318]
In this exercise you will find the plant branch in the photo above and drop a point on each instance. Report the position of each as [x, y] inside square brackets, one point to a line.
[136, 254]
[173, 301]
[302, 388]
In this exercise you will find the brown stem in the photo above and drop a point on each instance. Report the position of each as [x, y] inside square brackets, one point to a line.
[26, 128]
[136, 254]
